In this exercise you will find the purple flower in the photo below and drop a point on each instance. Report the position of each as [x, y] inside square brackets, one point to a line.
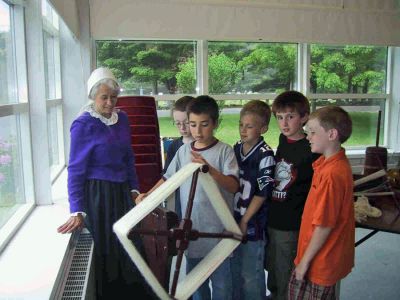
[5, 159]
[4, 145]
[2, 177]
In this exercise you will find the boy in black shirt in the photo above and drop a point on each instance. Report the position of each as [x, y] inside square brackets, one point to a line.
[293, 175]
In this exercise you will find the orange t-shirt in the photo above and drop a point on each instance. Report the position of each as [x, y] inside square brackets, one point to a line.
[329, 204]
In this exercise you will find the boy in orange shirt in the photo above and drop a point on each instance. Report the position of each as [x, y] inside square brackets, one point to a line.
[325, 252]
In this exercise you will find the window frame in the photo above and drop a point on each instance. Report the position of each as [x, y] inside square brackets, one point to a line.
[21, 112]
[386, 97]
[302, 83]
[51, 33]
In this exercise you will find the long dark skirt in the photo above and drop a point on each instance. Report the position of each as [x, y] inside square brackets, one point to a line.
[116, 275]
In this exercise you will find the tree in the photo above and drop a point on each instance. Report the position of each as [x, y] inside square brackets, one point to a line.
[154, 63]
[235, 51]
[186, 77]
[348, 69]
[255, 67]
[274, 65]
[223, 74]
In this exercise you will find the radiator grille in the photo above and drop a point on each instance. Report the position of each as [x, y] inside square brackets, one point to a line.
[75, 277]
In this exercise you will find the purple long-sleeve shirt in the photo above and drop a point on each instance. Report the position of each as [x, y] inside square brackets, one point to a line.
[99, 152]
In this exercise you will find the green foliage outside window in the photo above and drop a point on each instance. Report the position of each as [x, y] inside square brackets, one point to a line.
[348, 69]
[244, 68]
[145, 67]
[153, 67]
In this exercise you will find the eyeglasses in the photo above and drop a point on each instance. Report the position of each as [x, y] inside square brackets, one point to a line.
[181, 124]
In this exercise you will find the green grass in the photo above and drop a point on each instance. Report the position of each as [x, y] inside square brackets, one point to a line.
[364, 130]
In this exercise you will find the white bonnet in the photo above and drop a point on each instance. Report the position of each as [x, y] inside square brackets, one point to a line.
[97, 75]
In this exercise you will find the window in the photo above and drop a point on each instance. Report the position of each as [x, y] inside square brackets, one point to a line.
[353, 77]
[348, 69]
[54, 131]
[16, 185]
[151, 67]
[237, 72]
[8, 85]
[12, 194]
[248, 68]
[51, 50]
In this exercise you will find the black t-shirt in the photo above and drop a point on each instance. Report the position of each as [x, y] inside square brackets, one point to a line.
[293, 175]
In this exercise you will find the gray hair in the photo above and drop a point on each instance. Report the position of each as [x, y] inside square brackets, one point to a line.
[108, 82]
[113, 85]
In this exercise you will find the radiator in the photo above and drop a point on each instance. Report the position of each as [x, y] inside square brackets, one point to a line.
[75, 278]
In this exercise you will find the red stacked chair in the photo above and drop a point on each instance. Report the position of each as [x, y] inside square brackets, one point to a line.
[145, 132]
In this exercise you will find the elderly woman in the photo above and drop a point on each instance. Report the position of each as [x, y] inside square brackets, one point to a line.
[102, 184]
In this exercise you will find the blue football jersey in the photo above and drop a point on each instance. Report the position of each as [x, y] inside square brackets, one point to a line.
[256, 175]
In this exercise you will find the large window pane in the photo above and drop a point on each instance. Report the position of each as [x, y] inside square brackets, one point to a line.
[228, 128]
[11, 179]
[8, 86]
[49, 65]
[150, 67]
[364, 115]
[51, 51]
[245, 68]
[52, 131]
[55, 137]
[348, 69]
[363, 112]
[49, 14]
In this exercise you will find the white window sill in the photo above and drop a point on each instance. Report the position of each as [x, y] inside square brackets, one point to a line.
[361, 152]
[30, 262]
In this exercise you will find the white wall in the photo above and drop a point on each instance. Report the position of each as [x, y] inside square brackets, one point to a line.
[76, 68]
[363, 22]
[68, 11]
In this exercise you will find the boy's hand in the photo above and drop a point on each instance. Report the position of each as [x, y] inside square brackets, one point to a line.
[318, 239]
[197, 158]
[140, 197]
[301, 270]
[243, 227]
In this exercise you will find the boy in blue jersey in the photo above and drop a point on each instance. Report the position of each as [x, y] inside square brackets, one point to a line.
[256, 170]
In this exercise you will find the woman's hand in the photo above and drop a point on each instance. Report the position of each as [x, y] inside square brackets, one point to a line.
[140, 197]
[73, 223]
